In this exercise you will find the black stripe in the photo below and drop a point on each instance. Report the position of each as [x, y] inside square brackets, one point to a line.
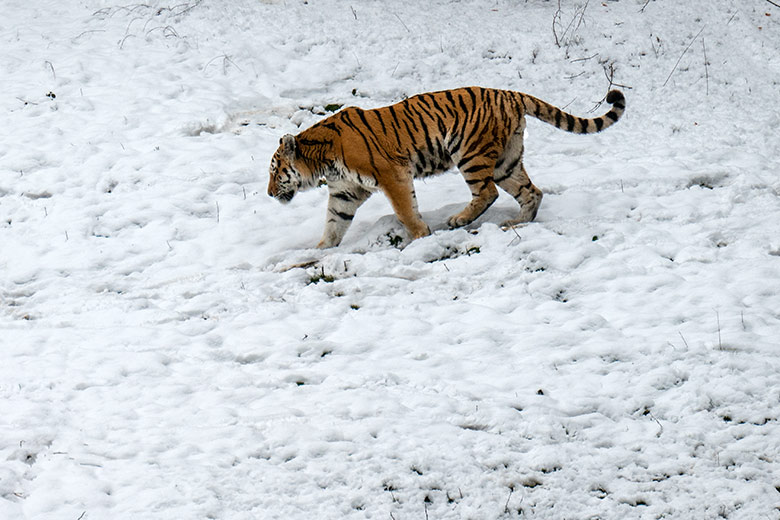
[451, 108]
[558, 117]
[396, 125]
[442, 127]
[423, 101]
[345, 117]
[362, 115]
[612, 115]
[519, 107]
[476, 168]
[483, 182]
[392, 113]
[472, 96]
[599, 123]
[469, 152]
[472, 151]
[408, 117]
[423, 163]
[511, 168]
[504, 177]
[314, 142]
[454, 145]
[409, 130]
[332, 126]
[341, 215]
[343, 195]
[463, 105]
[438, 107]
[426, 111]
[378, 115]
[569, 122]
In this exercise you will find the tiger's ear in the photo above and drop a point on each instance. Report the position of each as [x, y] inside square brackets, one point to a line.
[288, 145]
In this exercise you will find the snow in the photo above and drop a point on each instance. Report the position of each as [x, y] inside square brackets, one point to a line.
[172, 347]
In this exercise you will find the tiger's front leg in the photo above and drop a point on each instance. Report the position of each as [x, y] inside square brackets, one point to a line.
[343, 202]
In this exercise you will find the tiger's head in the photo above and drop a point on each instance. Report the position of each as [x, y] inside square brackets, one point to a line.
[284, 178]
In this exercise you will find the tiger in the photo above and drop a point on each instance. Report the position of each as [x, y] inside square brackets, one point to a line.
[356, 152]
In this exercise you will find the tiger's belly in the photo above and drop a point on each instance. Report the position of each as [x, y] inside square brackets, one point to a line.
[426, 165]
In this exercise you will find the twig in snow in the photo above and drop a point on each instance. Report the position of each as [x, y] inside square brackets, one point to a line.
[86, 32]
[402, 22]
[53, 73]
[683, 54]
[585, 59]
[225, 62]
[706, 67]
[579, 17]
[774, 4]
[609, 72]
[683, 338]
[643, 7]
[720, 343]
[506, 506]
[122, 42]
[354, 13]
[610, 78]
[657, 421]
[556, 16]
[217, 203]
[82, 515]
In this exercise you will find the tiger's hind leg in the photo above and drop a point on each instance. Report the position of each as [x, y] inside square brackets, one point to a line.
[511, 177]
[519, 186]
[478, 172]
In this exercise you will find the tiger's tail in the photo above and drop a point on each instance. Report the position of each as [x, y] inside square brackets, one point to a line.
[578, 125]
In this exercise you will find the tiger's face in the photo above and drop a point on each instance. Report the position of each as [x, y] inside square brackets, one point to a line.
[284, 180]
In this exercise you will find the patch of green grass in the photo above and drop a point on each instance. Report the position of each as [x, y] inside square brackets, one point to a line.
[321, 277]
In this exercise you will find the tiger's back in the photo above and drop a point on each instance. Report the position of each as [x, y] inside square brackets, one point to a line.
[480, 130]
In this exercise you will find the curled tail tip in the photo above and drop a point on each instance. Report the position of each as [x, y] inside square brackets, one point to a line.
[616, 97]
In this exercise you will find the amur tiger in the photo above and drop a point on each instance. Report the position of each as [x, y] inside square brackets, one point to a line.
[357, 152]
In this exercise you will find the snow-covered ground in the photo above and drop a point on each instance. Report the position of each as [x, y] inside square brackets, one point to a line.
[172, 348]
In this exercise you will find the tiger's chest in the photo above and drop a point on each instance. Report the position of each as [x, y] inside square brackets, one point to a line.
[339, 175]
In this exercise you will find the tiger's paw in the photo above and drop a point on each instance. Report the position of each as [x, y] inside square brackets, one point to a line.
[422, 232]
[457, 221]
[514, 223]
